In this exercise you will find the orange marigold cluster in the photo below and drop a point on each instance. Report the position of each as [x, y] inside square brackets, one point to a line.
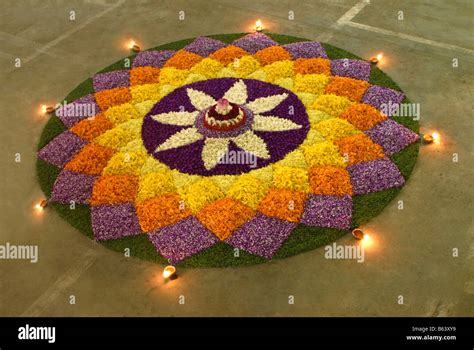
[312, 66]
[91, 128]
[330, 181]
[183, 60]
[144, 75]
[353, 89]
[92, 159]
[272, 54]
[114, 189]
[108, 98]
[157, 212]
[359, 148]
[283, 204]
[224, 216]
[228, 54]
[363, 116]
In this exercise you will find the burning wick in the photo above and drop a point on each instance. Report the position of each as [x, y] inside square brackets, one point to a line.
[41, 205]
[258, 26]
[360, 235]
[430, 138]
[169, 272]
[47, 109]
[133, 46]
[376, 59]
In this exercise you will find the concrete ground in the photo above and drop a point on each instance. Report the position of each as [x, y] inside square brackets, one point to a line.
[412, 252]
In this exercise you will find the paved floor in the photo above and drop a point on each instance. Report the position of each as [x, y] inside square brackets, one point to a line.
[412, 251]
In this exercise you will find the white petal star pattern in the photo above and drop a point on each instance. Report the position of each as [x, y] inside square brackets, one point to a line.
[215, 148]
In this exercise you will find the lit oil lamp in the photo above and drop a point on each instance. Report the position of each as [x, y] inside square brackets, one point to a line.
[41, 205]
[376, 59]
[169, 273]
[258, 26]
[133, 46]
[430, 138]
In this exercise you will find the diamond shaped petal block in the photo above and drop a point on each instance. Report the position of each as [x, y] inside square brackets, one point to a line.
[204, 46]
[152, 58]
[376, 175]
[61, 149]
[356, 69]
[114, 221]
[328, 211]
[392, 136]
[254, 42]
[262, 235]
[382, 98]
[306, 49]
[70, 186]
[82, 108]
[183, 239]
[111, 80]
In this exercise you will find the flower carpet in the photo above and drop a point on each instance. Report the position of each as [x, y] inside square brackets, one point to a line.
[227, 150]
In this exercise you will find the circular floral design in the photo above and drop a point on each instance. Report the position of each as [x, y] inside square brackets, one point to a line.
[156, 160]
[175, 131]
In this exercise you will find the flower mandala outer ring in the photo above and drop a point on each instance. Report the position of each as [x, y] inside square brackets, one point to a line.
[144, 172]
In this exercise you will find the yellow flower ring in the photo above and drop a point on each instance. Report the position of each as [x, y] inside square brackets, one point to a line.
[226, 152]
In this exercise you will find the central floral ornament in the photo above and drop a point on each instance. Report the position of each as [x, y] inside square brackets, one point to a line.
[197, 128]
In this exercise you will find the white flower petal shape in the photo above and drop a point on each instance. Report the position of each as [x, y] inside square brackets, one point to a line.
[181, 138]
[176, 118]
[265, 104]
[271, 123]
[237, 93]
[213, 150]
[200, 100]
[252, 143]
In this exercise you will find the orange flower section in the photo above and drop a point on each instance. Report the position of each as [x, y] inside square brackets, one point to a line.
[224, 216]
[183, 60]
[330, 181]
[272, 54]
[312, 66]
[92, 159]
[144, 75]
[283, 204]
[108, 98]
[363, 116]
[114, 189]
[359, 148]
[353, 89]
[157, 212]
[91, 128]
[228, 54]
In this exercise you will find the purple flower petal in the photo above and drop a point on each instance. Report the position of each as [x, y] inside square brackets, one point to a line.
[392, 136]
[204, 46]
[183, 239]
[306, 49]
[74, 112]
[328, 211]
[61, 149]
[254, 42]
[152, 58]
[262, 235]
[70, 186]
[111, 80]
[374, 176]
[382, 97]
[114, 221]
[356, 69]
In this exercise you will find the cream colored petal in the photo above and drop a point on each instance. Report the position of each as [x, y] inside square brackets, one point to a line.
[237, 93]
[265, 104]
[181, 138]
[272, 123]
[199, 99]
[252, 143]
[213, 150]
[176, 118]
